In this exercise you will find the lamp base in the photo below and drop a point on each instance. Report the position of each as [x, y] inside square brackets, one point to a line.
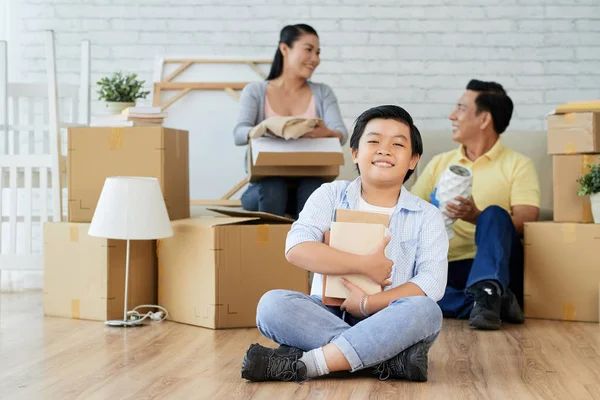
[123, 324]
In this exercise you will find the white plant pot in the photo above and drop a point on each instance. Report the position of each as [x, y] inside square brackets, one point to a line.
[115, 107]
[456, 181]
[595, 201]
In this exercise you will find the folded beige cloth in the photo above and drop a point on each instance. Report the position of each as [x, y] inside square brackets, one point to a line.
[285, 127]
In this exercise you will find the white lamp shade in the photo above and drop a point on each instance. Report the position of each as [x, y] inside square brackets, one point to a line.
[132, 208]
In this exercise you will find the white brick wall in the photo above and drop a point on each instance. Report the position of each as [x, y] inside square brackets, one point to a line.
[416, 53]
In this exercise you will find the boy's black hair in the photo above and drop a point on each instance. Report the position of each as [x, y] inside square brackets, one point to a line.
[388, 112]
[493, 98]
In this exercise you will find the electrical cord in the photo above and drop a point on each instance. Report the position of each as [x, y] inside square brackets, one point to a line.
[158, 316]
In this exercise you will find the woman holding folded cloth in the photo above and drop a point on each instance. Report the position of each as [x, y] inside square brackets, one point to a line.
[288, 92]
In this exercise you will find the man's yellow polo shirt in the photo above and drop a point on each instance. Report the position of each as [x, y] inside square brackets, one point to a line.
[501, 177]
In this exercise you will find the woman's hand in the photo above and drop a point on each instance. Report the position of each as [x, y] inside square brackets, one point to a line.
[319, 131]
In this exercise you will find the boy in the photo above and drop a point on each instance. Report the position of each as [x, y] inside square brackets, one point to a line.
[392, 330]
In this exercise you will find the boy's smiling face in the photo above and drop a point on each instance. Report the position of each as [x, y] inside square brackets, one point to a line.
[384, 153]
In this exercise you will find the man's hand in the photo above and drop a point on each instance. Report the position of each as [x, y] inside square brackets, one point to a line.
[377, 266]
[466, 210]
[352, 302]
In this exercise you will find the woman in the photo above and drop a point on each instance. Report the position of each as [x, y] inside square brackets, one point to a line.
[288, 92]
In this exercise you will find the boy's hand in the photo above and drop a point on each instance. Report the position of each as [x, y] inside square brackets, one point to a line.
[378, 267]
[352, 302]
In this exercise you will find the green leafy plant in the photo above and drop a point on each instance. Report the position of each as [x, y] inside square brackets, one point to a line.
[590, 182]
[121, 88]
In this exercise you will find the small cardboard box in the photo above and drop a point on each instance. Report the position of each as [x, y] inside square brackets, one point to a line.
[84, 276]
[214, 270]
[568, 206]
[562, 271]
[97, 153]
[574, 133]
[294, 158]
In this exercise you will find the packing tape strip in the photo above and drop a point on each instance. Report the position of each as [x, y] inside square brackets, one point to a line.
[73, 234]
[569, 232]
[75, 308]
[569, 311]
[262, 235]
[571, 148]
[115, 140]
[570, 118]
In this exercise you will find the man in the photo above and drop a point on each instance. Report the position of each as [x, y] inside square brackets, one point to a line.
[485, 269]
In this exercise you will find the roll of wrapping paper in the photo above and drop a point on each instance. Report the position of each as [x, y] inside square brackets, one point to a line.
[456, 181]
[578, 106]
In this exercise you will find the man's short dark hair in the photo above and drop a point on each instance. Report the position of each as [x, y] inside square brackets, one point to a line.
[388, 112]
[493, 98]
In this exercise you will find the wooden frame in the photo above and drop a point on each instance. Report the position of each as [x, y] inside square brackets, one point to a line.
[166, 84]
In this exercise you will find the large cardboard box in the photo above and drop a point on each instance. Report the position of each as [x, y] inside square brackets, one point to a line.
[97, 153]
[562, 271]
[214, 270]
[568, 206]
[574, 133]
[320, 157]
[84, 276]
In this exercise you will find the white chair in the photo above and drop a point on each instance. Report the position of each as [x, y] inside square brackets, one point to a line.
[33, 161]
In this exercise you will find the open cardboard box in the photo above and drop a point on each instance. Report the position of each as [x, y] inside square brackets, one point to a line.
[269, 156]
[214, 270]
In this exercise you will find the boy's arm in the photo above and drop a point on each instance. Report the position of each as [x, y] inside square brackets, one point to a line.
[431, 263]
[305, 247]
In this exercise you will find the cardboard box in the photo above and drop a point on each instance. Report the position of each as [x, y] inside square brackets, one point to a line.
[84, 276]
[214, 270]
[294, 158]
[562, 271]
[574, 133]
[568, 206]
[97, 153]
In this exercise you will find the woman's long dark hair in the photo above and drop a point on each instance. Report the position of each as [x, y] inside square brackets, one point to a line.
[289, 34]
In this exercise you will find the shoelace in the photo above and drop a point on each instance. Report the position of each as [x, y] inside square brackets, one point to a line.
[284, 368]
[388, 368]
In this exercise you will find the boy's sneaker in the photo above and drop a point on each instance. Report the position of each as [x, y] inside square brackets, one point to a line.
[510, 310]
[265, 364]
[486, 309]
[411, 364]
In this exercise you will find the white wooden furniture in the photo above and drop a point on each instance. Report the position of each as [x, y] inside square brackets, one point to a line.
[33, 156]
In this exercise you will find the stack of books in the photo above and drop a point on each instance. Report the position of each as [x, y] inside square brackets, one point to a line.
[132, 116]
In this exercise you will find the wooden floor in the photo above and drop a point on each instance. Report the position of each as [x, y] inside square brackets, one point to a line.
[53, 358]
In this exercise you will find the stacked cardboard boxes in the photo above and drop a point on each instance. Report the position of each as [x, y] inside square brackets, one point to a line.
[562, 258]
[211, 273]
[84, 277]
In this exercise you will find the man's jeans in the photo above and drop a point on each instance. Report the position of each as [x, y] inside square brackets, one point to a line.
[302, 321]
[499, 258]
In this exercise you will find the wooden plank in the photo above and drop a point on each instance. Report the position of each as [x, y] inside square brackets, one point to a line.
[236, 188]
[216, 202]
[179, 70]
[200, 85]
[156, 96]
[175, 98]
[216, 61]
[232, 93]
[257, 70]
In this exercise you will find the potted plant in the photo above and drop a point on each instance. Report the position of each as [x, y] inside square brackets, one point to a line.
[120, 91]
[589, 185]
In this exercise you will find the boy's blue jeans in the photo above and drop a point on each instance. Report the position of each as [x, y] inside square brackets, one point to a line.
[499, 258]
[302, 321]
[273, 195]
